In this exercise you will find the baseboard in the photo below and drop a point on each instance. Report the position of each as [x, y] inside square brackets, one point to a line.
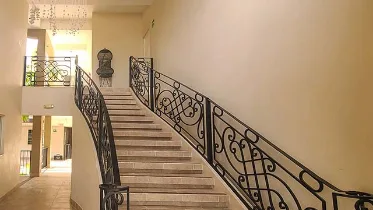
[14, 189]
[75, 205]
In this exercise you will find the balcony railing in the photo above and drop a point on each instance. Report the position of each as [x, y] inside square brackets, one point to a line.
[48, 71]
[262, 175]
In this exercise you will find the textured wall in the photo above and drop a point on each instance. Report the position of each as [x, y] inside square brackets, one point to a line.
[299, 72]
[85, 177]
[120, 33]
[13, 48]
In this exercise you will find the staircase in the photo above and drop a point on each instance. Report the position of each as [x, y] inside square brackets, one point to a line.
[160, 171]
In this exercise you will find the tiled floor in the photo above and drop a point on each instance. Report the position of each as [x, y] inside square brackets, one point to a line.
[51, 191]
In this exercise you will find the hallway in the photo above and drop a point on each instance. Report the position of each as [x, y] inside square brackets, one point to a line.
[51, 191]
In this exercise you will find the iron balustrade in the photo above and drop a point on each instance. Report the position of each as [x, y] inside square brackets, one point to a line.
[263, 176]
[48, 71]
[91, 103]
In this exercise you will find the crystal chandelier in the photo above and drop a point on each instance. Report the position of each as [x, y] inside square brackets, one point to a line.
[75, 12]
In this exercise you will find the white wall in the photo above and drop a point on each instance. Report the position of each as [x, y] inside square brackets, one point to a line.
[34, 99]
[85, 177]
[292, 70]
[122, 35]
[13, 47]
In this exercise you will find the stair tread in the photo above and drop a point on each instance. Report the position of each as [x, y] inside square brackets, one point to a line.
[169, 208]
[179, 199]
[176, 190]
[174, 182]
[126, 125]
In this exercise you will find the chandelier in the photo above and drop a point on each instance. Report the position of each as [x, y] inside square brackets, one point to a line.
[74, 12]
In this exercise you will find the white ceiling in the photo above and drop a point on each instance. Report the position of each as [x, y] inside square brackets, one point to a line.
[112, 6]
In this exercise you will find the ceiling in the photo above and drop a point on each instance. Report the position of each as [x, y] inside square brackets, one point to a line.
[112, 6]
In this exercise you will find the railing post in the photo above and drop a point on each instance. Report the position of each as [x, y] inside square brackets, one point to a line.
[79, 87]
[24, 71]
[210, 155]
[100, 128]
[151, 90]
[130, 74]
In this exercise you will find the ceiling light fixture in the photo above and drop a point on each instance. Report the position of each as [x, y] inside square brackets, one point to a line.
[75, 12]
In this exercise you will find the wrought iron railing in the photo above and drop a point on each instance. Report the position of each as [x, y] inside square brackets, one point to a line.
[91, 103]
[48, 71]
[262, 175]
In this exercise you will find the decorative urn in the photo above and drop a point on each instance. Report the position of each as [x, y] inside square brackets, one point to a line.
[104, 71]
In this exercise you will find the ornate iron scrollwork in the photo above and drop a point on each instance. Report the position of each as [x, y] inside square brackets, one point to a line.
[262, 175]
[52, 71]
[91, 103]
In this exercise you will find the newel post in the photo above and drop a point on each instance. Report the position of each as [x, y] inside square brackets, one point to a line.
[210, 155]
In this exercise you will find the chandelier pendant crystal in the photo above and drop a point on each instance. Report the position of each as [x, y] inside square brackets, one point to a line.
[72, 12]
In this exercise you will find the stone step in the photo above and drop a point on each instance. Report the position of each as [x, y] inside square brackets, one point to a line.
[178, 182]
[160, 135]
[148, 144]
[174, 190]
[115, 91]
[123, 107]
[179, 200]
[136, 126]
[154, 156]
[169, 208]
[160, 168]
[126, 113]
[116, 97]
[120, 102]
[131, 119]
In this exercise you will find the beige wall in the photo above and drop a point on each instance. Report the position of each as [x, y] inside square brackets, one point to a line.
[13, 48]
[46, 95]
[45, 47]
[85, 177]
[122, 35]
[24, 136]
[57, 141]
[292, 70]
[65, 44]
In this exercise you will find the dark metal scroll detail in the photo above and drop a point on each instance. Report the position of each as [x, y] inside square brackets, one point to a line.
[53, 71]
[91, 103]
[262, 175]
[111, 196]
[182, 108]
[139, 80]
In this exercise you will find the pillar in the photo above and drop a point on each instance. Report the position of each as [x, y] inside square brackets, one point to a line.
[48, 137]
[37, 132]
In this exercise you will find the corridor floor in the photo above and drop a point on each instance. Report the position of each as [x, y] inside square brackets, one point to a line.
[51, 191]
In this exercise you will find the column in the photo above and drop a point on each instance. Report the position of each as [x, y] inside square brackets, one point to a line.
[37, 146]
[48, 137]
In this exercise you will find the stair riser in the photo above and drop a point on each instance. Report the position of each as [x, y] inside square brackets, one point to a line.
[120, 102]
[126, 113]
[136, 126]
[168, 186]
[169, 208]
[125, 138]
[135, 147]
[159, 171]
[153, 159]
[111, 97]
[177, 203]
[122, 107]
